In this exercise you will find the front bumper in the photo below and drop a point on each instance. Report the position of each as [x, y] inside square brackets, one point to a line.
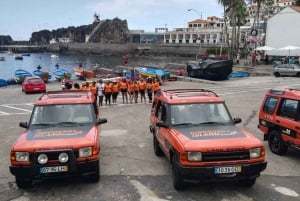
[74, 169]
[207, 174]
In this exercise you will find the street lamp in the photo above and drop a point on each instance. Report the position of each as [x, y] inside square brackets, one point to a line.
[196, 11]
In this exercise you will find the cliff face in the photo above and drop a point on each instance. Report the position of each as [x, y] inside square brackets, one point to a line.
[6, 40]
[107, 31]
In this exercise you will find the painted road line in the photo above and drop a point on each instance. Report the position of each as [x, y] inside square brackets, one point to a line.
[3, 113]
[16, 108]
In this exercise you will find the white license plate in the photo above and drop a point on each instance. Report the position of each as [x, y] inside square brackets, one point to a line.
[36, 89]
[54, 169]
[228, 169]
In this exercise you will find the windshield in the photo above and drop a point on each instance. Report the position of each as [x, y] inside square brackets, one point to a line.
[57, 114]
[199, 113]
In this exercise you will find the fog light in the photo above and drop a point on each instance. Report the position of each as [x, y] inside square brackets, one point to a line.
[63, 157]
[42, 159]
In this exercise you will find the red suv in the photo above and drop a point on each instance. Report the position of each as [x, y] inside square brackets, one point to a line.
[279, 119]
[61, 139]
[195, 131]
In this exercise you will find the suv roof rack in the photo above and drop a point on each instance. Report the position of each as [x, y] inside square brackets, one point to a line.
[193, 92]
[67, 94]
[282, 91]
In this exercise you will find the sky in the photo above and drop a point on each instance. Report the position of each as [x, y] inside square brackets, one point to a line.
[20, 18]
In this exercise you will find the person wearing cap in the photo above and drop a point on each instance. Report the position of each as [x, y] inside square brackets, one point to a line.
[76, 86]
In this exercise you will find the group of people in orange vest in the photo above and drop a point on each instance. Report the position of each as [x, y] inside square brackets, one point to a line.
[130, 90]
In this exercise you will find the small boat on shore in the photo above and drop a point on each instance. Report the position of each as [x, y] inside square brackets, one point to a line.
[61, 74]
[210, 69]
[20, 74]
[153, 72]
[3, 83]
[42, 74]
[83, 74]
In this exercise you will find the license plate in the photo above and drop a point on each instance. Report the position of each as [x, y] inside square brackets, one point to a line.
[228, 169]
[36, 89]
[54, 169]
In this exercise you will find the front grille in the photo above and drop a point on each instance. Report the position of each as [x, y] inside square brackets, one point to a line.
[225, 156]
[53, 155]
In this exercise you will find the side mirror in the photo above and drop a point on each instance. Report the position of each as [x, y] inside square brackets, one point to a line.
[161, 124]
[237, 120]
[23, 124]
[101, 121]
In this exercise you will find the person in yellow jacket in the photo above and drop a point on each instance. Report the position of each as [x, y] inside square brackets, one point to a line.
[107, 92]
[124, 89]
[115, 91]
[142, 88]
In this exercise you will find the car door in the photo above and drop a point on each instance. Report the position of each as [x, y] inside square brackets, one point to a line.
[288, 118]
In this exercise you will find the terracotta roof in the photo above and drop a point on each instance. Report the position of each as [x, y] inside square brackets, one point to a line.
[198, 21]
[296, 8]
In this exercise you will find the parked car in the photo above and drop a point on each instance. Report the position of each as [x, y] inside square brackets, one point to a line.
[61, 139]
[279, 119]
[286, 70]
[195, 131]
[33, 84]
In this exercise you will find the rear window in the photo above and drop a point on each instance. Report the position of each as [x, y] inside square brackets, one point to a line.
[35, 80]
[270, 105]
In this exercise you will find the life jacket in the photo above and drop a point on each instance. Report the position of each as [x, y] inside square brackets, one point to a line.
[131, 87]
[115, 88]
[123, 85]
[142, 86]
[107, 88]
[156, 86]
[93, 89]
[149, 86]
[136, 87]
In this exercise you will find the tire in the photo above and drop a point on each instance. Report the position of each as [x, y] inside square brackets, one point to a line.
[276, 144]
[156, 147]
[178, 182]
[23, 182]
[298, 74]
[277, 74]
[247, 182]
[93, 177]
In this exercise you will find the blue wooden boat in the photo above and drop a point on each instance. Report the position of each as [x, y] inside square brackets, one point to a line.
[42, 74]
[153, 72]
[20, 74]
[3, 83]
[61, 73]
[238, 74]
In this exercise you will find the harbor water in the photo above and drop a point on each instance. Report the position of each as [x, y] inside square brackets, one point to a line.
[68, 61]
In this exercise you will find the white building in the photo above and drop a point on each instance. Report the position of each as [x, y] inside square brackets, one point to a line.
[283, 29]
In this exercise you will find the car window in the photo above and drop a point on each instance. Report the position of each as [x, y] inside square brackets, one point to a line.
[288, 108]
[34, 80]
[270, 105]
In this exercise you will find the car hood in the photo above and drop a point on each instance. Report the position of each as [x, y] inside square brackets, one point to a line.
[57, 138]
[215, 138]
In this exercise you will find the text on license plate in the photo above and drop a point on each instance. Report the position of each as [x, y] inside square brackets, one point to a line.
[228, 169]
[36, 88]
[54, 169]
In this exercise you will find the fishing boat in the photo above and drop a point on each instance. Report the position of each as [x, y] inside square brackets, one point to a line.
[83, 74]
[42, 74]
[26, 54]
[20, 74]
[153, 72]
[2, 58]
[61, 74]
[210, 69]
[18, 57]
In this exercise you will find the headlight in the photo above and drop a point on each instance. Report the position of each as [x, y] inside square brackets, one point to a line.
[42, 159]
[22, 156]
[194, 156]
[63, 157]
[85, 152]
[255, 153]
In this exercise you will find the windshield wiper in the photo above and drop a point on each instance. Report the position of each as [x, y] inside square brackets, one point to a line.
[42, 124]
[182, 124]
[67, 123]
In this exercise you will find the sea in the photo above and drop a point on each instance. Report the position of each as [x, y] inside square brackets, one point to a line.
[68, 61]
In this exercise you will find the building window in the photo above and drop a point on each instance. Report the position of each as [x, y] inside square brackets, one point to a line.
[187, 41]
[167, 41]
